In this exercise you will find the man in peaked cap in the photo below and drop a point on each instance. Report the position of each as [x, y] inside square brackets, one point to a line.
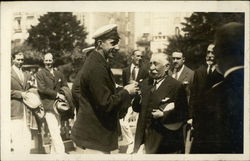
[96, 128]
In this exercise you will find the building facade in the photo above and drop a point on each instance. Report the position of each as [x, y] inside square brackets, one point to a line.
[158, 26]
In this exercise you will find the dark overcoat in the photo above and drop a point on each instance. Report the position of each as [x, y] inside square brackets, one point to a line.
[97, 123]
[150, 131]
[220, 128]
[201, 84]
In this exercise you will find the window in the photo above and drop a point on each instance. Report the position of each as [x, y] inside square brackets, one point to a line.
[17, 25]
[177, 31]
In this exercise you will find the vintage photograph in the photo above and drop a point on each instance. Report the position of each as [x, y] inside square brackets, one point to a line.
[125, 83]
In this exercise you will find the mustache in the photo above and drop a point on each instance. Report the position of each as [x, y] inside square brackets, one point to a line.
[113, 50]
[210, 60]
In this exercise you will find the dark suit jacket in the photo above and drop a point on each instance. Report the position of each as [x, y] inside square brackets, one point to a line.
[76, 89]
[201, 84]
[187, 76]
[158, 135]
[49, 86]
[142, 74]
[17, 87]
[97, 122]
[220, 127]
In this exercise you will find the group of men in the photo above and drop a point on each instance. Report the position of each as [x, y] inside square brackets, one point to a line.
[48, 89]
[167, 95]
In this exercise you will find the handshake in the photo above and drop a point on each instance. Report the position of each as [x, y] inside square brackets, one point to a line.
[132, 88]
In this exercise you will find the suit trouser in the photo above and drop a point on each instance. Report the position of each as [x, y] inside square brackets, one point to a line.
[53, 123]
[20, 137]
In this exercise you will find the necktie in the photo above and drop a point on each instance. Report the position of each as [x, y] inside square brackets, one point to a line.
[154, 86]
[210, 70]
[133, 74]
[175, 74]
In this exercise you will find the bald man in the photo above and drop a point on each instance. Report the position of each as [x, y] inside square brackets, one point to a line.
[49, 82]
[220, 127]
[162, 108]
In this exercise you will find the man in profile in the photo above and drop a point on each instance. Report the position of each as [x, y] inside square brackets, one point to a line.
[221, 126]
[96, 128]
[162, 108]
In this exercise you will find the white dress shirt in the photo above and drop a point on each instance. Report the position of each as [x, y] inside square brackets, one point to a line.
[178, 73]
[19, 72]
[136, 70]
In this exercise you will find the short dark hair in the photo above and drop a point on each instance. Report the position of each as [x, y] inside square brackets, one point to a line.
[179, 51]
[13, 55]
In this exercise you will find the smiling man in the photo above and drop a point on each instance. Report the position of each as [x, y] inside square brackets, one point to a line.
[96, 128]
[136, 71]
[49, 82]
[162, 108]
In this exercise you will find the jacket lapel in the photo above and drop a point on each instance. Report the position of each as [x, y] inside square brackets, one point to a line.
[128, 73]
[139, 75]
[183, 75]
[25, 77]
[15, 76]
[163, 90]
[49, 75]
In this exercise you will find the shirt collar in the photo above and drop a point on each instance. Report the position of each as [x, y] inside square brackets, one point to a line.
[158, 82]
[230, 70]
[17, 69]
[213, 67]
[180, 71]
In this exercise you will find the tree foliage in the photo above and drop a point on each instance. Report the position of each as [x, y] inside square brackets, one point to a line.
[199, 31]
[57, 32]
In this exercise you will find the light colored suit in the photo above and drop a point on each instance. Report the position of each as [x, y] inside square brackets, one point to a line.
[20, 115]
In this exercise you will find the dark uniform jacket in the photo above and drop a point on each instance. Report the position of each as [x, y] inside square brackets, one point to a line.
[151, 132]
[49, 86]
[126, 73]
[17, 87]
[220, 128]
[96, 126]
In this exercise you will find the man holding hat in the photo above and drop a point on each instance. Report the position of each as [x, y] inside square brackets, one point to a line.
[96, 128]
[21, 116]
[49, 82]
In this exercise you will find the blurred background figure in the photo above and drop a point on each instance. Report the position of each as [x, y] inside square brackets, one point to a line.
[220, 118]
[136, 70]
